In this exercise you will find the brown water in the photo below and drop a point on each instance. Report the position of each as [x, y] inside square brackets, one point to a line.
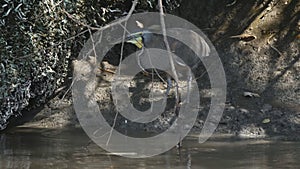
[37, 148]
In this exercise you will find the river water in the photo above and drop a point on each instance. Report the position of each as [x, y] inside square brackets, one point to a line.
[40, 148]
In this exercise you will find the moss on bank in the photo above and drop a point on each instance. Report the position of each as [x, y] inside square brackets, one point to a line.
[38, 41]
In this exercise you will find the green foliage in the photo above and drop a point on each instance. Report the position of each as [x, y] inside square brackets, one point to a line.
[38, 41]
[33, 62]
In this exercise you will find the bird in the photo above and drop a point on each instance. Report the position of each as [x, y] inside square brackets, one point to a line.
[147, 39]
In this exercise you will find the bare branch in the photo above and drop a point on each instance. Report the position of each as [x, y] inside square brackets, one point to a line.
[164, 31]
[134, 3]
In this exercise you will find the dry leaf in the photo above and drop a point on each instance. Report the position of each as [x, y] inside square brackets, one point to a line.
[244, 37]
[250, 94]
[265, 121]
[139, 24]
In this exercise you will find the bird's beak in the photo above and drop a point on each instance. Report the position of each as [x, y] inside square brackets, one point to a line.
[135, 39]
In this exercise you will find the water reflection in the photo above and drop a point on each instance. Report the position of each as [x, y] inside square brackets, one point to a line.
[36, 148]
[13, 158]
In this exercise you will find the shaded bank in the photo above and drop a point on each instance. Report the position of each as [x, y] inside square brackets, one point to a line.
[268, 65]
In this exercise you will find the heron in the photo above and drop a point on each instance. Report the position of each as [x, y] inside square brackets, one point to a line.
[188, 62]
[180, 67]
[147, 39]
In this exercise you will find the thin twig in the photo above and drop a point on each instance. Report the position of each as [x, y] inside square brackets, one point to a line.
[273, 47]
[134, 3]
[54, 45]
[138, 60]
[139, 64]
[232, 3]
[112, 128]
[155, 70]
[163, 25]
